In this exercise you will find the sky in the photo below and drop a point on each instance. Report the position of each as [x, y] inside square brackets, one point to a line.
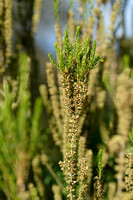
[129, 18]
[45, 35]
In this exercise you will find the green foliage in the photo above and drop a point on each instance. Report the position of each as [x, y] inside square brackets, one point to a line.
[75, 58]
[131, 135]
[93, 106]
[100, 163]
[74, 62]
[56, 9]
[107, 83]
[126, 61]
[19, 131]
[71, 3]
[35, 126]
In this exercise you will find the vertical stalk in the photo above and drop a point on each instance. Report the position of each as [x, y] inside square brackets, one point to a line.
[74, 62]
[73, 153]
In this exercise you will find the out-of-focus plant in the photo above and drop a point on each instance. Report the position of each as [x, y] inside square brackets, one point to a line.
[105, 118]
[18, 23]
[88, 111]
[98, 185]
[19, 133]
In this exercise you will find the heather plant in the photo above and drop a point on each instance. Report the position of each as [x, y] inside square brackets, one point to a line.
[19, 121]
[103, 99]
[98, 185]
[86, 151]
[18, 133]
[75, 61]
[18, 23]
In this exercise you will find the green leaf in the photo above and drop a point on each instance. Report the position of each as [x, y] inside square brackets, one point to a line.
[100, 163]
[52, 60]
[74, 59]
[131, 135]
[56, 9]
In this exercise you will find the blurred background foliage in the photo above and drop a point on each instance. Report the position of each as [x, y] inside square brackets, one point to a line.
[29, 150]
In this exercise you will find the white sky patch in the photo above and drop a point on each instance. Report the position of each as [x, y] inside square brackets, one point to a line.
[129, 19]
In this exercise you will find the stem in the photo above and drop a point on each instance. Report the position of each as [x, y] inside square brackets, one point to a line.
[45, 162]
[73, 153]
[65, 133]
[71, 175]
[121, 172]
